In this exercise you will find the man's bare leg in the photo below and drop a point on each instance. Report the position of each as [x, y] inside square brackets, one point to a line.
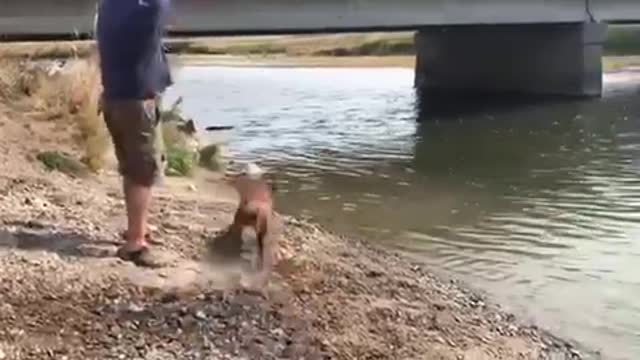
[138, 201]
[136, 248]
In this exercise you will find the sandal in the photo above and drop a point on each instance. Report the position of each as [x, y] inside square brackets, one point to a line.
[143, 257]
[147, 238]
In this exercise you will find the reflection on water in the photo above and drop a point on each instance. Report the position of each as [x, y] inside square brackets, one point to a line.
[539, 204]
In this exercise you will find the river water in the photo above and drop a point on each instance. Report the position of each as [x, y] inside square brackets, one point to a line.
[538, 204]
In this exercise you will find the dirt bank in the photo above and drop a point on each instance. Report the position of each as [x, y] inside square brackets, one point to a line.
[63, 294]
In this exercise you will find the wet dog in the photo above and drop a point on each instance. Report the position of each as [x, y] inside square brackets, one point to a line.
[253, 236]
[255, 223]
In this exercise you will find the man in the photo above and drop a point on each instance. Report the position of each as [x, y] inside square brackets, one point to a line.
[134, 73]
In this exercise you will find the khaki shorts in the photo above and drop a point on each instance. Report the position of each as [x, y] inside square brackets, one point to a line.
[135, 130]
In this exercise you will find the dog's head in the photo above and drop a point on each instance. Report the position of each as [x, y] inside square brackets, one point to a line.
[250, 180]
[188, 127]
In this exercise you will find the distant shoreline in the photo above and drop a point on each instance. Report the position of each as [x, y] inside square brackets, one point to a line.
[275, 61]
[610, 63]
[319, 50]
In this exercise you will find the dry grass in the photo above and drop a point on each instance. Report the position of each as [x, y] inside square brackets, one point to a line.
[46, 50]
[67, 94]
[85, 96]
[11, 79]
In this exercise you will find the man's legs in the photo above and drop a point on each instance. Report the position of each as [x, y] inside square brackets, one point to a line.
[134, 128]
[138, 197]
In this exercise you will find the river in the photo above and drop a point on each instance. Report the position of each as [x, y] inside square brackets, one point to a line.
[536, 204]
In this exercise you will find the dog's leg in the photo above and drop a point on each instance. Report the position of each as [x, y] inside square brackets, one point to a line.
[268, 243]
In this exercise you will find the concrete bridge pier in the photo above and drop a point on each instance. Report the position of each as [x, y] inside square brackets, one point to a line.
[531, 59]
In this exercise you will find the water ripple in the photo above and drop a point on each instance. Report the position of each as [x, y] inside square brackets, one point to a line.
[538, 204]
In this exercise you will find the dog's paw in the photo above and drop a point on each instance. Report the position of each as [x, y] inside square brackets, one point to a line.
[254, 285]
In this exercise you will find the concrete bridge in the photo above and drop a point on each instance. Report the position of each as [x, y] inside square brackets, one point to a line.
[530, 46]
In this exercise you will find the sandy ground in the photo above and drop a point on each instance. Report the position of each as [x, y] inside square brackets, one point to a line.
[64, 295]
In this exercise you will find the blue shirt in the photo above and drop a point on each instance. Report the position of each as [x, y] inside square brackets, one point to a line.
[132, 59]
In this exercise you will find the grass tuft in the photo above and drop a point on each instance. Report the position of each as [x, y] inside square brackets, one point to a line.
[180, 161]
[62, 162]
[179, 141]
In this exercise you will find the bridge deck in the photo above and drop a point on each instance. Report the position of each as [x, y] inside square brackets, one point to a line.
[276, 16]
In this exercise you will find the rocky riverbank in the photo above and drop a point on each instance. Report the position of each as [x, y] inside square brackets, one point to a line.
[64, 295]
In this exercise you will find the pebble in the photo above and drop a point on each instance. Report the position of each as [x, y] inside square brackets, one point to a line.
[200, 315]
[278, 332]
[135, 308]
[6, 309]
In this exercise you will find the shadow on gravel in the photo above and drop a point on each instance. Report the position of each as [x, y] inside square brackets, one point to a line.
[67, 243]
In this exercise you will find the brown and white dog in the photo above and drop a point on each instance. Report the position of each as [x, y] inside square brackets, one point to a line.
[255, 221]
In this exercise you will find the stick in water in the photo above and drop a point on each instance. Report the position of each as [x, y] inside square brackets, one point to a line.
[219, 128]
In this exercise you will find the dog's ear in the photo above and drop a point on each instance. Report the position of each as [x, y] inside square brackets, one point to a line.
[189, 127]
[176, 104]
